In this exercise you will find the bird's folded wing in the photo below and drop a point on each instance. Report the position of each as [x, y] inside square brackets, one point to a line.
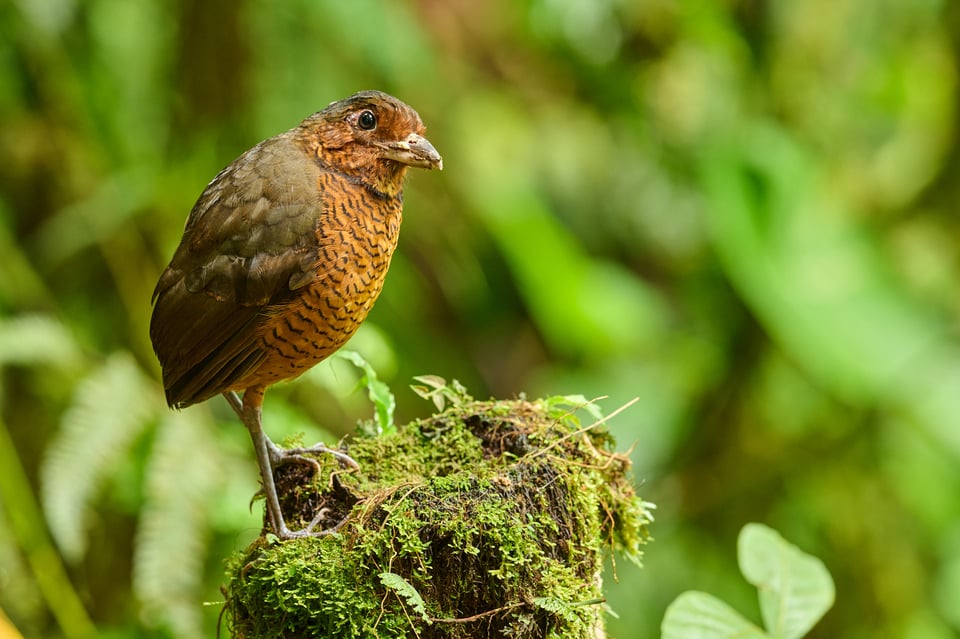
[250, 242]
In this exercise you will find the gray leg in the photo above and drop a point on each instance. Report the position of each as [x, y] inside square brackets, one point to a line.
[270, 455]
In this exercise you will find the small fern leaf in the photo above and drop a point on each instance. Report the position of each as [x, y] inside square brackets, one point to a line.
[559, 608]
[182, 483]
[110, 408]
[37, 339]
[405, 589]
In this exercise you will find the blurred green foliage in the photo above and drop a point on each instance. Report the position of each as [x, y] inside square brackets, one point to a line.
[741, 212]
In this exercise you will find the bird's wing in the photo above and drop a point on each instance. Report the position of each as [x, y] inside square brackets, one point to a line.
[250, 242]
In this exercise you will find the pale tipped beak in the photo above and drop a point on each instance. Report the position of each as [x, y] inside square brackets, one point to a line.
[414, 150]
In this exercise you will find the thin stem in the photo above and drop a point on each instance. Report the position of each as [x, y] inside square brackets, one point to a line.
[29, 527]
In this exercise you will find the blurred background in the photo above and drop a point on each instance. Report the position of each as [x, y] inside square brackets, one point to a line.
[741, 212]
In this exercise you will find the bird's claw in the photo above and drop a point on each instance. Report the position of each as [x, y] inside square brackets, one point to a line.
[310, 529]
[289, 457]
[280, 456]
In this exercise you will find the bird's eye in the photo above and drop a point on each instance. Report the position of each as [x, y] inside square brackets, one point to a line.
[367, 121]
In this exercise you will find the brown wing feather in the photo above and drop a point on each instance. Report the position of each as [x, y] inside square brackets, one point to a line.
[250, 242]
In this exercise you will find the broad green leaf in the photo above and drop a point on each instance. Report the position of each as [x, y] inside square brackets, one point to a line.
[795, 588]
[384, 402]
[698, 615]
[577, 402]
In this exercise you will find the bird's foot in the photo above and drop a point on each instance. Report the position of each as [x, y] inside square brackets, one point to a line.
[310, 530]
[280, 456]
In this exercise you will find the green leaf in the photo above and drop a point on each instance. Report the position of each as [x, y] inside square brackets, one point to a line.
[182, 480]
[436, 389]
[110, 408]
[576, 402]
[795, 588]
[431, 388]
[21, 285]
[698, 615]
[37, 339]
[403, 588]
[384, 402]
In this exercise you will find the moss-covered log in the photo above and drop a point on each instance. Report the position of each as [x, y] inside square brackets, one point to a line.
[490, 519]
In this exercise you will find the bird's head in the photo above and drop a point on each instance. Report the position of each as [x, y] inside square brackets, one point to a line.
[372, 137]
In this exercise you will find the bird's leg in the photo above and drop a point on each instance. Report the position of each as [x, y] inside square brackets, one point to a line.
[250, 414]
[270, 455]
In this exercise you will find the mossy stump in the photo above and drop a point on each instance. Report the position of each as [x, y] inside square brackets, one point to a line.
[490, 519]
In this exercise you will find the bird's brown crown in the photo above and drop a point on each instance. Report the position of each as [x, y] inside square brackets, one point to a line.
[371, 137]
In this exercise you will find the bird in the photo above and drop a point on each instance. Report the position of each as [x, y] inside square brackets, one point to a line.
[282, 257]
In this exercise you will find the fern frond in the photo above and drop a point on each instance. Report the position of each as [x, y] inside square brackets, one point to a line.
[183, 479]
[110, 408]
[405, 589]
[37, 339]
[560, 608]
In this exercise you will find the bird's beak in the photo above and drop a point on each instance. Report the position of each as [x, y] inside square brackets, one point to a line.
[414, 150]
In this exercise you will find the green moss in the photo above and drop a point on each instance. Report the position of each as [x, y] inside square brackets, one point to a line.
[492, 516]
